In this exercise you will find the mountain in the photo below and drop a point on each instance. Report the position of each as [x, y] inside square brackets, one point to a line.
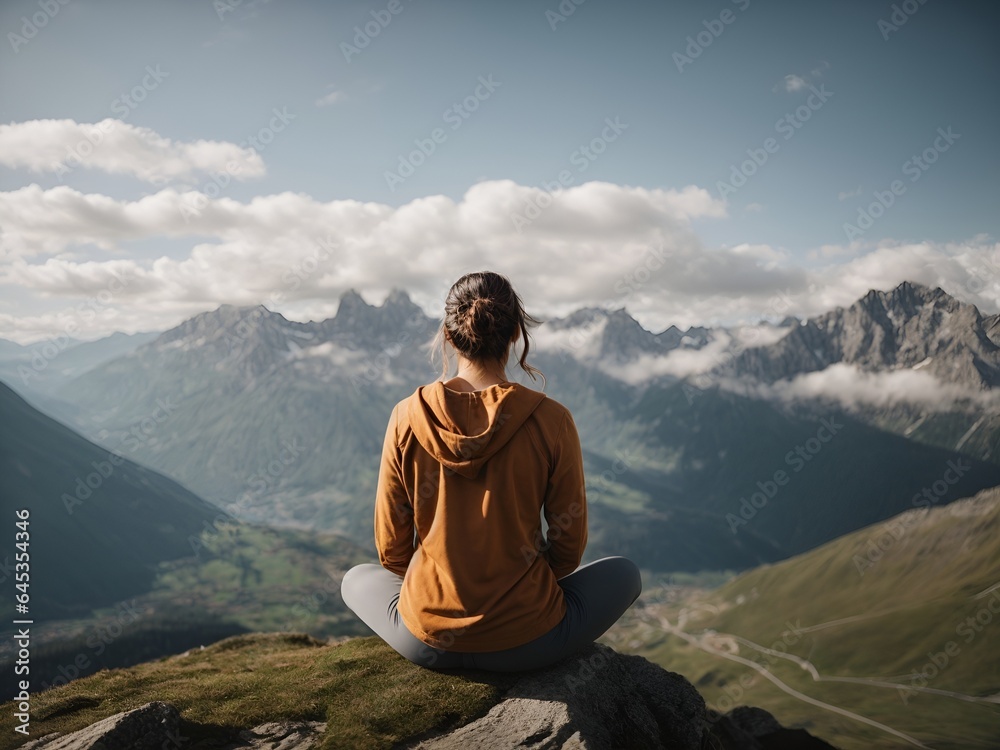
[9, 349]
[914, 361]
[285, 420]
[893, 623]
[795, 480]
[910, 326]
[99, 523]
[613, 337]
[291, 691]
[40, 367]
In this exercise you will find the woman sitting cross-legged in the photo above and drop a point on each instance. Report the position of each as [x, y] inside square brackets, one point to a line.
[468, 467]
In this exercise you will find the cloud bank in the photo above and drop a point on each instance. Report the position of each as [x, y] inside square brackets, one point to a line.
[116, 147]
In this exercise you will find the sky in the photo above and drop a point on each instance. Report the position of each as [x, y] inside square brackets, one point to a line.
[696, 163]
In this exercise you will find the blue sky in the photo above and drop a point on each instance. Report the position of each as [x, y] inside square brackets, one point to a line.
[513, 97]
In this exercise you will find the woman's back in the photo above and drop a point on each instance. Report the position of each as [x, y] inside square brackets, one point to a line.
[465, 576]
[470, 472]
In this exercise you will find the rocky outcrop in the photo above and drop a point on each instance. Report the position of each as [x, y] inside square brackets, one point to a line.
[596, 700]
[150, 727]
[157, 726]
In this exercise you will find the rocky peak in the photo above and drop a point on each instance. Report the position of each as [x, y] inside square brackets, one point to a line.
[218, 323]
[909, 326]
[366, 326]
[616, 335]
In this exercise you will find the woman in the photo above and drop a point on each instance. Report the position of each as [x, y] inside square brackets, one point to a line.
[468, 466]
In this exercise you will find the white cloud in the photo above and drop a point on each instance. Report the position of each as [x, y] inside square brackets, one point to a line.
[856, 389]
[845, 194]
[116, 147]
[596, 244]
[293, 252]
[752, 208]
[330, 98]
[583, 342]
[793, 82]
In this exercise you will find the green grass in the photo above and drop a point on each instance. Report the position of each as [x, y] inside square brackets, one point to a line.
[369, 696]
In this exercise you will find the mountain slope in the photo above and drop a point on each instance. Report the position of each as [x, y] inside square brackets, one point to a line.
[99, 523]
[894, 622]
[43, 366]
[796, 480]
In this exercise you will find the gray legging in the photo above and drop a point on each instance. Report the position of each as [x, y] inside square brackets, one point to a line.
[596, 595]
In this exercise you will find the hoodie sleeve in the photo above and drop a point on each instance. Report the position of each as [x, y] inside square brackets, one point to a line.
[393, 509]
[566, 503]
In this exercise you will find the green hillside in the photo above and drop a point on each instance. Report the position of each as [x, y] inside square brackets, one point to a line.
[99, 523]
[912, 603]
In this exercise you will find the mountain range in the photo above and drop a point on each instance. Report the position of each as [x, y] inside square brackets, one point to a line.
[686, 434]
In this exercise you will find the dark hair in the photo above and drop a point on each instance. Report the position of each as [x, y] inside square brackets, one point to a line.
[483, 316]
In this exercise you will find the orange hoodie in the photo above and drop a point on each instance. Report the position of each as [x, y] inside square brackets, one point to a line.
[470, 473]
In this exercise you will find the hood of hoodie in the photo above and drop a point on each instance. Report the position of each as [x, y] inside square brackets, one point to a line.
[463, 430]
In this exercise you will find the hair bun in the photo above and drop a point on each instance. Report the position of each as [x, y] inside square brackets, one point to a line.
[481, 317]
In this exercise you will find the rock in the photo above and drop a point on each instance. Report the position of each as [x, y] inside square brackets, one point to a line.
[748, 728]
[594, 700]
[156, 726]
[145, 728]
[280, 735]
